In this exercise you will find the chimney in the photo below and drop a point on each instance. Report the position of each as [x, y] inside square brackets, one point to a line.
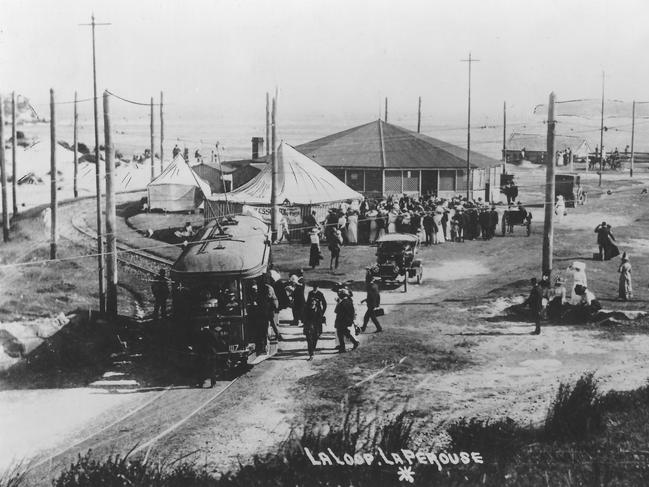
[257, 147]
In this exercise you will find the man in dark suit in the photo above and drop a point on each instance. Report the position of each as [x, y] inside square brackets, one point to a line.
[345, 315]
[373, 301]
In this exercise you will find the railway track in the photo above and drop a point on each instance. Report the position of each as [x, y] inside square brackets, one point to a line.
[128, 255]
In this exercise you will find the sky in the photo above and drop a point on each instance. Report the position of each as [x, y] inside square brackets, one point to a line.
[329, 59]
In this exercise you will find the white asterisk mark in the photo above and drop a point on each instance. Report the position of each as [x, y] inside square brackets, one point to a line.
[406, 474]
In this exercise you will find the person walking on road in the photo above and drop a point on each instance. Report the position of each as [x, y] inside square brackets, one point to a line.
[373, 301]
[335, 244]
[314, 315]
[345, 315]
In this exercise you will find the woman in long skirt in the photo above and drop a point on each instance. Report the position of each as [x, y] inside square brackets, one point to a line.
[352, 227]
[625, 288]
[315, 255]
[392, 220]
[371, 216]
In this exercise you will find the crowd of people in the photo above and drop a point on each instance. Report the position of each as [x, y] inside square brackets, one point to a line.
[435, 220]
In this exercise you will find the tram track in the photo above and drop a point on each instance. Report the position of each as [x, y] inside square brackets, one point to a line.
[136, 432]
[160, 414]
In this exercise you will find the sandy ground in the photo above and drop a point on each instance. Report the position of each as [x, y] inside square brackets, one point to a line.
[497, 369]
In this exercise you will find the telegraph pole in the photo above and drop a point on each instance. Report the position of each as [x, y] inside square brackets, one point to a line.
[3, 176]
[162, 134]
[504, 137]
[601, 133]
[468, 133]
[548, 229]
[273, 191]
[98, 175]
[152, 145]
[111, 227]
[75, 139]
[53, 199]
[419, 117]
[386, 110]
[632, 139]
[13, 154]
[267, 124]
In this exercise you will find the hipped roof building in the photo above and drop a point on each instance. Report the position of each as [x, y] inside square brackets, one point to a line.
[380, 159]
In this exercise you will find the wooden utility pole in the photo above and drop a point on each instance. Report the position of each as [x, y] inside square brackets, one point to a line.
[267, 124]
[386, 110]
[468, 132]
[548, 228]
[98, 174]
[53, 201]
[152, 145]
[162, 133]
[3, 176]
[601, 133]
[75, 139]
[111, 227]
[632, 139]
[419, 117]
[504, 137]
[14, 171]
[274, 208]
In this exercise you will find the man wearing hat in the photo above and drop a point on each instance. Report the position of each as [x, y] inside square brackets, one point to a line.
[345, 315]
[535, 302]
[373, 301]
[314, 316]
[602, 234]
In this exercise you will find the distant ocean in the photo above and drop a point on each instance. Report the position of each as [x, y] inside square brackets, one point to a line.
[202, 132]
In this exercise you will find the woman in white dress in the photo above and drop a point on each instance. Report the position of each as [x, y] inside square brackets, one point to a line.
[392, 220]
[352, 227]
[560, 208]
[371, 215]
[578, 272]
[437, 218]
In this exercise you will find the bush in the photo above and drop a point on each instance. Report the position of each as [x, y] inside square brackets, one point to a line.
[576, 412]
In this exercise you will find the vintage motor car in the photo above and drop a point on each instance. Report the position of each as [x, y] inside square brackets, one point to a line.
[396, 259]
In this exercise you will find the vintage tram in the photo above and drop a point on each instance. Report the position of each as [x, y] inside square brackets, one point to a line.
[213, 282]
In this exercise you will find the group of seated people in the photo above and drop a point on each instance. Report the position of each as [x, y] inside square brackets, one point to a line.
[552, 301]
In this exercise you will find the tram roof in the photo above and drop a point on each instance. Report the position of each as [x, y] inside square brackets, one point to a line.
[239, 250]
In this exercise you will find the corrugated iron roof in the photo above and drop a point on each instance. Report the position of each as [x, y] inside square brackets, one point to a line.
[363, 147]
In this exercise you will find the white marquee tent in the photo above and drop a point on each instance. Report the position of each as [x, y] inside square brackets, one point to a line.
[177, 188]
[300, 181]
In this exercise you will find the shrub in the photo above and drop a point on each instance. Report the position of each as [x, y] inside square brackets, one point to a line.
[576, 412]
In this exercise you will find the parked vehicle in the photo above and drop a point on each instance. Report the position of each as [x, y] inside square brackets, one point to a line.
[396, 258]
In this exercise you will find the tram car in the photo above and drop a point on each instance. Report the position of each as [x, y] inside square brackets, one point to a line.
[213, 283]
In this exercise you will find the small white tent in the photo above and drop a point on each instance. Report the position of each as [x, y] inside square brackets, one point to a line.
[177, 188]
[300, 181]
